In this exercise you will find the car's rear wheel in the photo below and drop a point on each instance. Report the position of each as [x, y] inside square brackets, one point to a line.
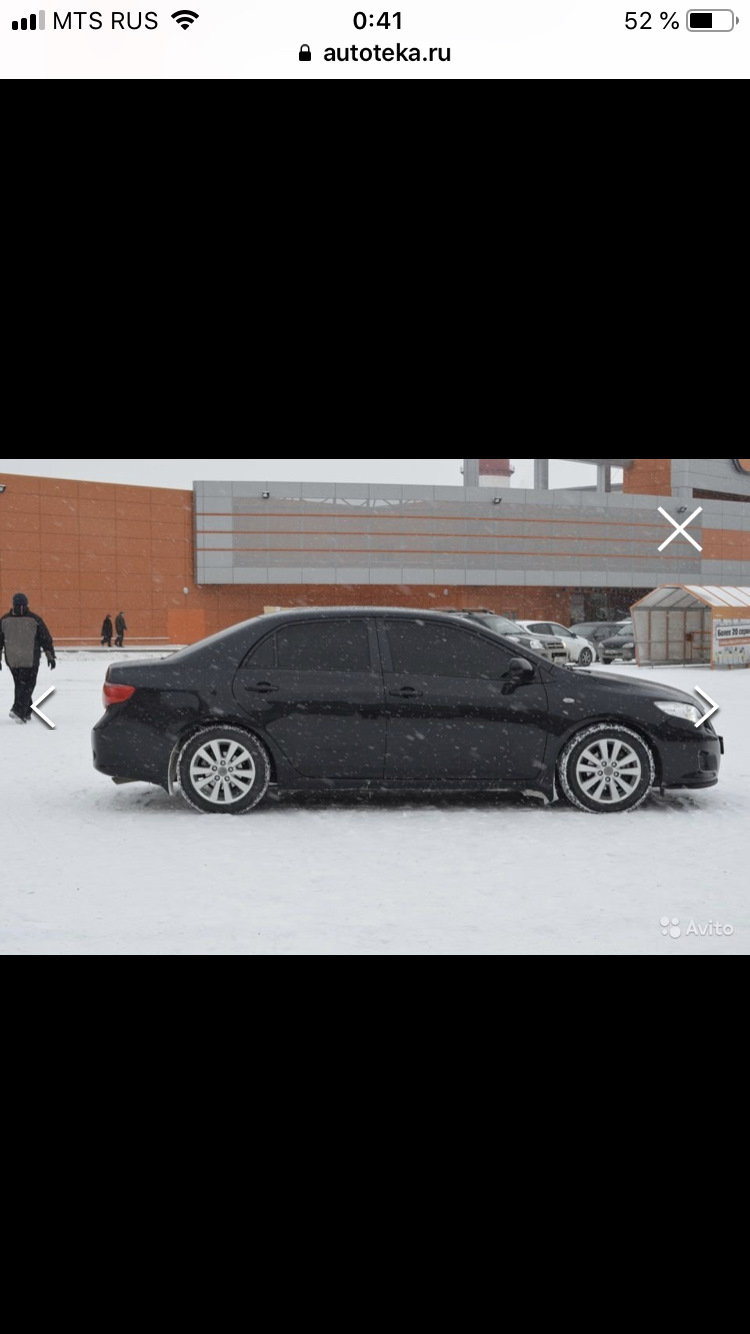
[606, 770]
[224, 771]
[586, 658]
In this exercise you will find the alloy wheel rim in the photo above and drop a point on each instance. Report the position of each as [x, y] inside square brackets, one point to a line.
[222, 772]
[609, 772]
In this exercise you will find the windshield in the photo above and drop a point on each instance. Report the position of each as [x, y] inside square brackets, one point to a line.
[501, 626]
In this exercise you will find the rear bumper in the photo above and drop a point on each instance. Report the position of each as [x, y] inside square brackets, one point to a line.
[128, 752]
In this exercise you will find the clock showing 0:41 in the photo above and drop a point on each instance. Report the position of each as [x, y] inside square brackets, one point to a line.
[371, 21]
[742, 465]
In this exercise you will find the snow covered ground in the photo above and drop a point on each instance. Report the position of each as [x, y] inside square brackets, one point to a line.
[89, 868]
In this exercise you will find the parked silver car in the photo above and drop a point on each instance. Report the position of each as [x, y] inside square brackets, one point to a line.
[579, 649]
[547, 646]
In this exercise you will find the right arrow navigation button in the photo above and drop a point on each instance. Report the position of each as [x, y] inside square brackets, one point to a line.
[714, 706]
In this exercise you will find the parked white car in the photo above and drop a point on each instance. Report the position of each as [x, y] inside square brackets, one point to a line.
[579, 650]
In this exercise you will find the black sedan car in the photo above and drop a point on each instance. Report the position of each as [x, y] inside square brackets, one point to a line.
[621, 648]
[372, 699]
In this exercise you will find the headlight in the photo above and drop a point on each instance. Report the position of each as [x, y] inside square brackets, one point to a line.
[536, 644]
[690, 713]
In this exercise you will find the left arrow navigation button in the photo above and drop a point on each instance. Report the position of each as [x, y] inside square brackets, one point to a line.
[37, 710]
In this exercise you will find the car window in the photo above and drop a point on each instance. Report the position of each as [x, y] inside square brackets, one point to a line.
[540, 629]
[500, 626]
[264, 655]
[324, 646]
[559, 630]
[419, 648]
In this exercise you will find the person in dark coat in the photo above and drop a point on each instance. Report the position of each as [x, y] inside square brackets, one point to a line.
[23, 638]
[107, 632]
[121, 628]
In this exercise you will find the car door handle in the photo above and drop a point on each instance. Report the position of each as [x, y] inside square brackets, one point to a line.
[408, 692]
[263, 688]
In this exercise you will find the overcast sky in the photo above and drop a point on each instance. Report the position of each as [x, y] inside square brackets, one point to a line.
[183, 472]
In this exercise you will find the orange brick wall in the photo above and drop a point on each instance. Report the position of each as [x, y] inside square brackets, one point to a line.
[725, 545]
[649, 477]
[82, 549]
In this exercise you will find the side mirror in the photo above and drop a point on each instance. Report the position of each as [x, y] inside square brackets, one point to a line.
[520, 672]
[521, 669]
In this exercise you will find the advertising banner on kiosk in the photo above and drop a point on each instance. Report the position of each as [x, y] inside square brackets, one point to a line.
[731, 638]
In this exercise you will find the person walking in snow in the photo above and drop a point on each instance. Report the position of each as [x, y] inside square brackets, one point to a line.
[107, 631]
[121, 628]
[23, 638]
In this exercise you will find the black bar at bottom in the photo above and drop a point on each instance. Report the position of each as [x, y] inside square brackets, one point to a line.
[14, 25]
[32, 23]
[701, 20]
[24, 25]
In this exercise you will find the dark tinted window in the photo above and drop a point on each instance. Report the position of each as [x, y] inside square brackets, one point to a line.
[264, 655]
[324, 646]
[422, 648]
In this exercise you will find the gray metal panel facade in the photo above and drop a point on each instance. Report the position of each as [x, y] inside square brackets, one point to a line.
[317, 533]
[690, 475]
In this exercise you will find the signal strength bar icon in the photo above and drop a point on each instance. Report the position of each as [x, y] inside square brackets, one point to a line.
[29, 24]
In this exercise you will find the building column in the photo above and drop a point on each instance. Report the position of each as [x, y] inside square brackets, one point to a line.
[541, 474]
[471, 472]
[604, 479]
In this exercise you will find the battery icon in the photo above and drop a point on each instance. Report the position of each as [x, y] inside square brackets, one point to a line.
[710, 20]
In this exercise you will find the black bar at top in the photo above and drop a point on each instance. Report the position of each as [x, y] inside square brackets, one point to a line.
[24, 25]
[32, 23]
[701, 20]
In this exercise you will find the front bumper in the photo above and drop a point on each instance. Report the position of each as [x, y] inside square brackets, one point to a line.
[693, 764]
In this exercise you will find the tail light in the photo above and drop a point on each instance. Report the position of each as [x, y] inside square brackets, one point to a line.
[116, 694]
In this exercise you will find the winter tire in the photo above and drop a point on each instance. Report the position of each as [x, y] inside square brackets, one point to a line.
[586, 658]
[224, 771]
[607, 770]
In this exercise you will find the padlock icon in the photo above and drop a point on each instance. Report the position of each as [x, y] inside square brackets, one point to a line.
[305, 53]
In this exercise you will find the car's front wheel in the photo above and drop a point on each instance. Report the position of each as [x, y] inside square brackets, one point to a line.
[224, 771]
[586, 658]
[607, 769]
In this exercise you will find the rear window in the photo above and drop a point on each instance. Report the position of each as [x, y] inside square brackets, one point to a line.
[264, 655]
[324, 646]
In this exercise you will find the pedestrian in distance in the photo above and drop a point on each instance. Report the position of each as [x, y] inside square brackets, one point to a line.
[107, 631]
[121, 628]
[23, 638]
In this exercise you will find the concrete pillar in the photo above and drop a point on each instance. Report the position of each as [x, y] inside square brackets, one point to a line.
[604, 479]
[471, 472]
[541, 474]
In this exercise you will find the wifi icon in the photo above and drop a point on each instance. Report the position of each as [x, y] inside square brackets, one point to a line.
[185, 17]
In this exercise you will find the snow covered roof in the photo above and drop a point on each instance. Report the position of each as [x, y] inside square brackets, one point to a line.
[686, 595]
